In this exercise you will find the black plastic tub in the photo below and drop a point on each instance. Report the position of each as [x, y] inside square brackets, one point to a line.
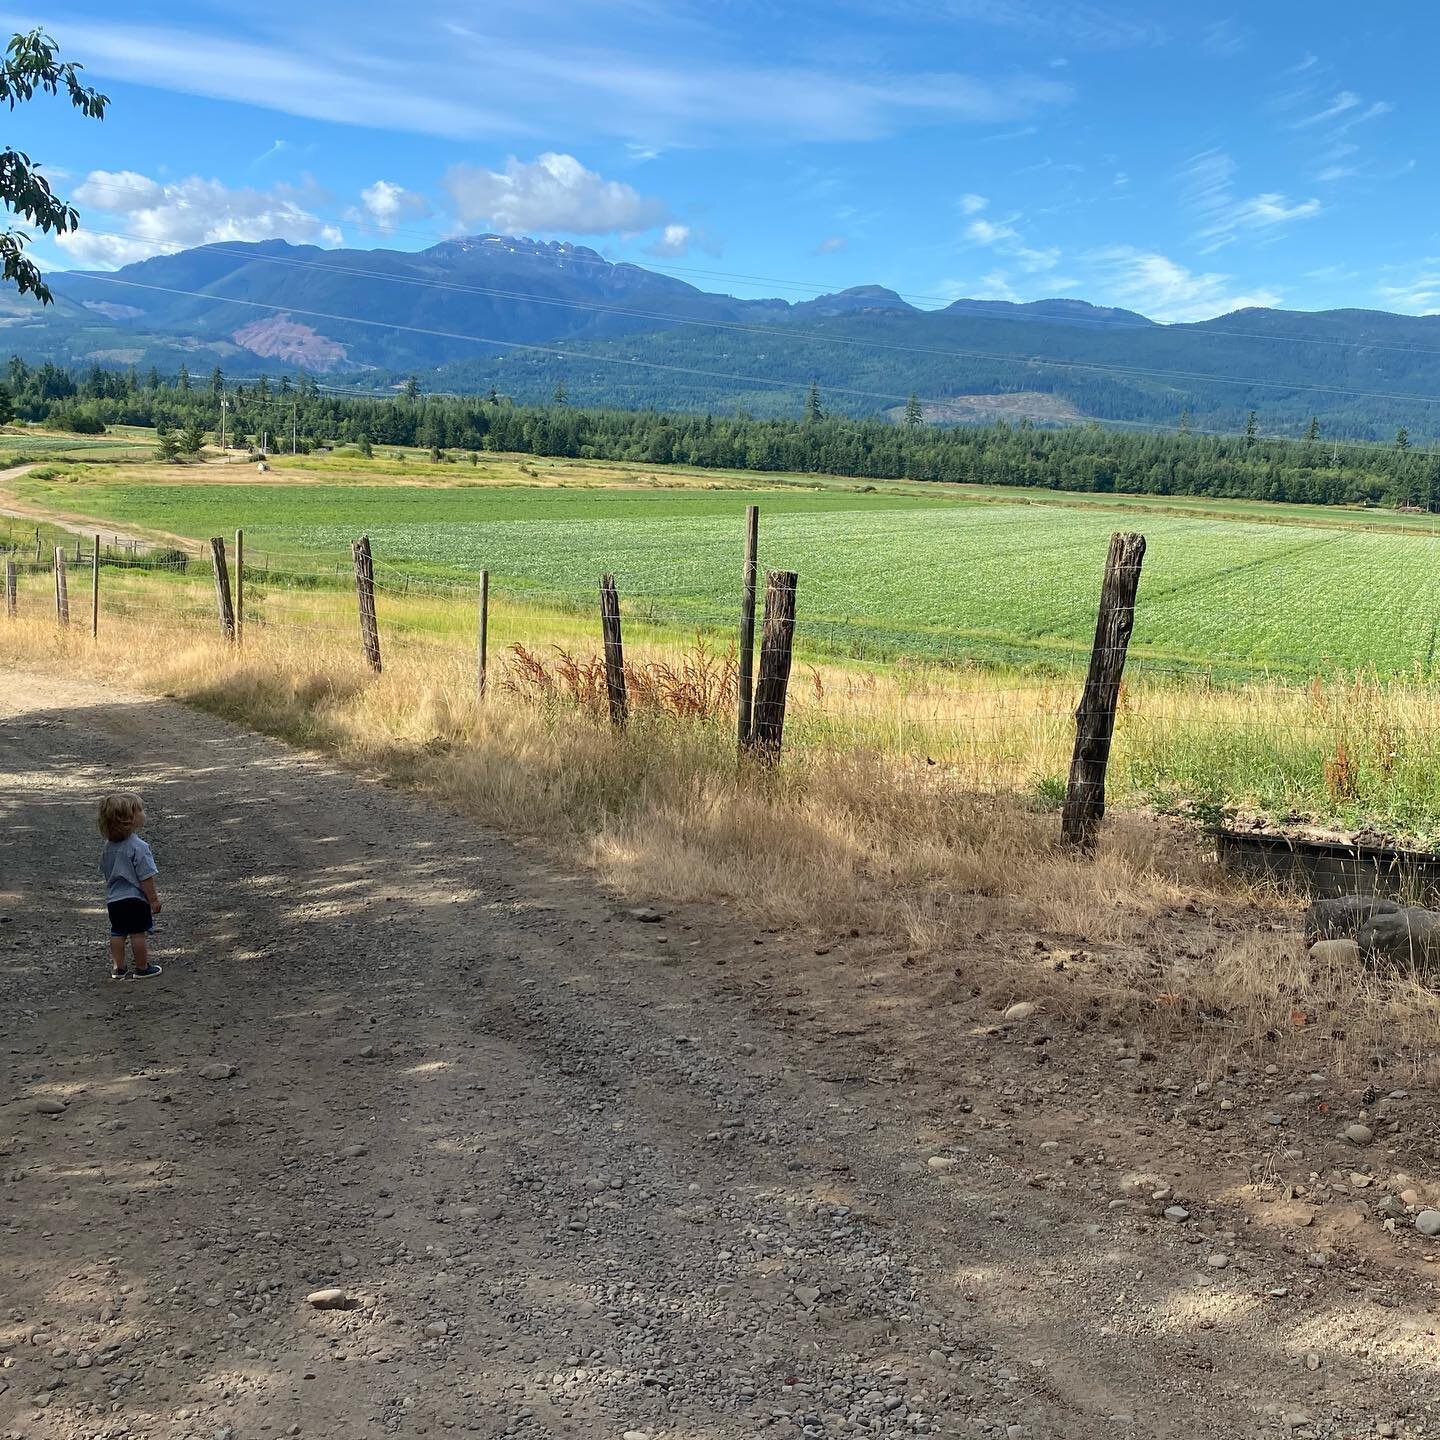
[1326, 868]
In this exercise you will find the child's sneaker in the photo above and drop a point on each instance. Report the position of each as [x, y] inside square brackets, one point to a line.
[148, 973]
[119, 974]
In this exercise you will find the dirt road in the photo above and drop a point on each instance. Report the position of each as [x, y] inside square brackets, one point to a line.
[577, 1173]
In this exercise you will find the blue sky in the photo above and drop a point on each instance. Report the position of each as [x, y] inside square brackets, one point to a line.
[1181, 161]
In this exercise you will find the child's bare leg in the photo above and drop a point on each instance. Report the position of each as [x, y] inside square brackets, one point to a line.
[117, 954]
[140, 951]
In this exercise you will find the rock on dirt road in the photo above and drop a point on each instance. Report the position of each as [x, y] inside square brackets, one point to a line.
[475, 1161]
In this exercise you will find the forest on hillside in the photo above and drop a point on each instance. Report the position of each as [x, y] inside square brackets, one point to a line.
[294, 412]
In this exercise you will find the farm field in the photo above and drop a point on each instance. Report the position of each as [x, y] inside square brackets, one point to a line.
[935, 572]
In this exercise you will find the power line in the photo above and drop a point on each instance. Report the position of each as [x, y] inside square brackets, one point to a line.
[978, 308]
[572, 357]
[1126, 371]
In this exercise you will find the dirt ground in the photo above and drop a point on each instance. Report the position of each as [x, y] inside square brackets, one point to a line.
[580, 1173]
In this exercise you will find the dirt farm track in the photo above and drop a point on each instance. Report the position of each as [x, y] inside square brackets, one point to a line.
[584, 1174]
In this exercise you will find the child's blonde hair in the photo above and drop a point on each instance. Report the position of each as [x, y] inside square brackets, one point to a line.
[120, 815]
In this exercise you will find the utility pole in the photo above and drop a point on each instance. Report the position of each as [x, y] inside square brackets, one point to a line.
[294, 428]
[224, 406]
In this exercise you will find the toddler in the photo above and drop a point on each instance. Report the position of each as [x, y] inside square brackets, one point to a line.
[130, 870]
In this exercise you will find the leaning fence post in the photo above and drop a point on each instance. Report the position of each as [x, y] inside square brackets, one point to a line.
[95, 592]
[614, 650]
[483, 637]
[12, 607]
[1095, 718]
[777, 640]
[745, 659]
[62, 593]
[222, 587]
[239, 587]
[365, 594]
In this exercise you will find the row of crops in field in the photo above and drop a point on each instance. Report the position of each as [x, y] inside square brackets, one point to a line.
[881, 573]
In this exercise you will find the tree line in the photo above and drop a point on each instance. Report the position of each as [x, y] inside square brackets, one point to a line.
[293, 412]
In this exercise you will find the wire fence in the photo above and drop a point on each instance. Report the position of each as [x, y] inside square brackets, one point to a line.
[1350, 749]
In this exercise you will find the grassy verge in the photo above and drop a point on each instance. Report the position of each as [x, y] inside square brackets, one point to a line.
[892, 814]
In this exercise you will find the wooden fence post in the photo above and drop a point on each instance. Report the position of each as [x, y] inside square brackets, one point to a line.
[12, 607]
[484, 635]
[223, 602]
[776, 642]
[77, 552]
[239, 587]
[62, 593]
[745, 658]
[614, 650]
[95, 592]
[365, 593]
[1095, 719]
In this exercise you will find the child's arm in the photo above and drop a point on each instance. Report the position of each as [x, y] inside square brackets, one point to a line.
[151, 894]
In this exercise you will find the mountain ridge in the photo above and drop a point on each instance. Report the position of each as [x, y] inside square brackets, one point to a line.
[523, 316]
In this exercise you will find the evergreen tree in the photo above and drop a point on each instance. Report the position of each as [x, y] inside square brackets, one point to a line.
[1312, 430]
[914, 416]
[217, 383]
[411, 389]
[167, 443]
[182, 382]
[192, 438]
[366, 449]
[1402, 439]
[1184, 426]
[813, 410]
[7, 405]
[1251, 428]
[559, 396]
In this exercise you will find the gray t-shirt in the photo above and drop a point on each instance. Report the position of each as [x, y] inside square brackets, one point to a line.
[124, 864]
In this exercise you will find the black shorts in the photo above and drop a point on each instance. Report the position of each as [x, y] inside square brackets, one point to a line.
[130, 917]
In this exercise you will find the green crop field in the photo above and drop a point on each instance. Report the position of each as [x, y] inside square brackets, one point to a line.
[904, 570]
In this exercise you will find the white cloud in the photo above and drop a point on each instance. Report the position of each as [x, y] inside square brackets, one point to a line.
[141, 217]
[385, 204]
[973, 204]
[1006, 239]
[996, 286]
[1165, 290]
[831, 244]
[1345, 100]
[1418, 293]
[674, 241]
[1209, 184]
[990, 232]
[665, 82]
[552, 193]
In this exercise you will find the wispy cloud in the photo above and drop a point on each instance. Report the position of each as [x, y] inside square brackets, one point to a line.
[1345, 101]
[1164, 289]
[1224, 39]
[1416, 291]
[831, 245]
[973, 204]
[1325, 115]
[346, 64]
[1002, 237]
[1208, 183]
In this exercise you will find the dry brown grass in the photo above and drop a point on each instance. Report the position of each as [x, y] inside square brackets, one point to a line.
[848, 833]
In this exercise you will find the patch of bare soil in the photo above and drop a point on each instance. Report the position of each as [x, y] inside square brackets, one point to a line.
[582, 1173]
